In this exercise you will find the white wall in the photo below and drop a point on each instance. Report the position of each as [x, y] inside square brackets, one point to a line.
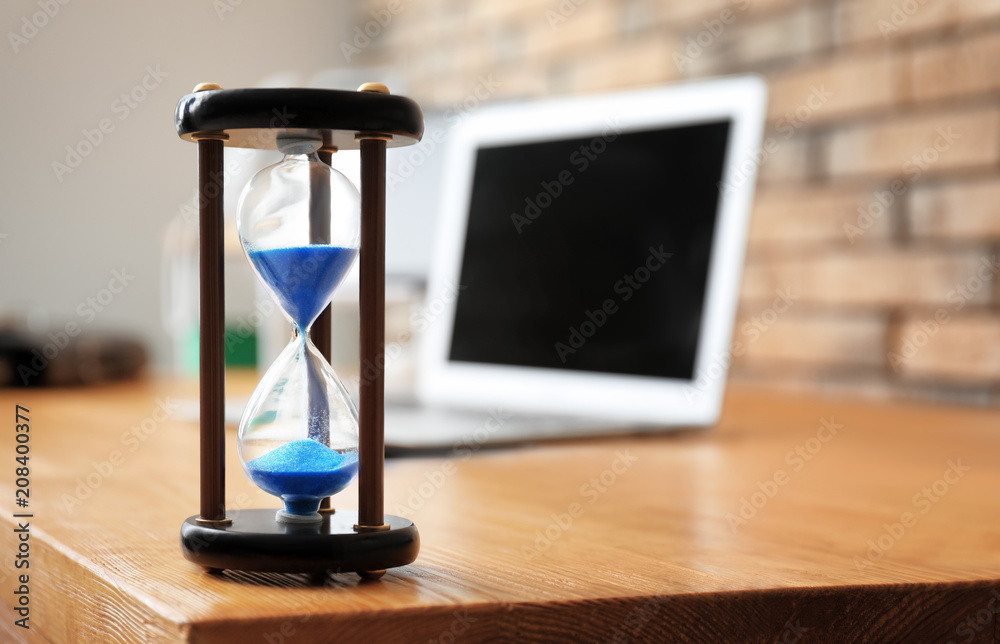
[61, 238]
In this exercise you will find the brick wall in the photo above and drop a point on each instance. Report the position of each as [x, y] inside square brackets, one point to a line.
[878, 207]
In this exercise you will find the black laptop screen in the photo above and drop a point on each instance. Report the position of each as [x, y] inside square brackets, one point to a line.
[591, 254]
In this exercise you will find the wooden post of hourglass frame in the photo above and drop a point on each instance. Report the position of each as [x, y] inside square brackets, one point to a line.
[211, 347]
[371, 516]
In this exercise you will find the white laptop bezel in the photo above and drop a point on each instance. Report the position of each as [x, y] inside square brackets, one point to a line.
[662, 401]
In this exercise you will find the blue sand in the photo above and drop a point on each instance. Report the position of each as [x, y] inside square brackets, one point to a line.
[303, 277]
[303, 468]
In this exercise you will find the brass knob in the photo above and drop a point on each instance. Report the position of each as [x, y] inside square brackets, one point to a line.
[378, 88]
[201, 87]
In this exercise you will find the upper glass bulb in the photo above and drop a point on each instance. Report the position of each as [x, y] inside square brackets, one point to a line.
[299, 223]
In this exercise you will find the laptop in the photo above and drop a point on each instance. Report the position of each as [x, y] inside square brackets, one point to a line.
[587, 264]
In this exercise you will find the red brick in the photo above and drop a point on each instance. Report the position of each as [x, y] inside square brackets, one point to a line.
[787, 159]
[637, 63]
[859, 20]
[821, 341]
[816, 215]
[680, 13]
[867, 277]
[673, 13]
[866, 383]
[847, 85]
[522, 81]
[747, 41]
[963, 348]
[524, 11]
[957, 68]
[968, 210]
[869, 384]
[592, 26]
[894, 147]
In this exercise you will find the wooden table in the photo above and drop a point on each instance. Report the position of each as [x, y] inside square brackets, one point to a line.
[860, 522]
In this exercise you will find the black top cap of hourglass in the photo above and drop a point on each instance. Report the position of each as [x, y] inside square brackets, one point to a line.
[252, 118]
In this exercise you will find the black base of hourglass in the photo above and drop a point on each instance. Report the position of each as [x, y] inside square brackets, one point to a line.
[256, 542]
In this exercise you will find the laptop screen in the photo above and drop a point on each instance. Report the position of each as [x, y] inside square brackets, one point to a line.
[591, 254]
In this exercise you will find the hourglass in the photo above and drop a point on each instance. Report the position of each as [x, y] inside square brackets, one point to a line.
[302, 225]
[298, 222]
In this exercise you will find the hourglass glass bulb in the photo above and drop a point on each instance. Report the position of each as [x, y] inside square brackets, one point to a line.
[298, 222]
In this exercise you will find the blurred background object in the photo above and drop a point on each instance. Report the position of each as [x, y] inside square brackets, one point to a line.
[871, 264]
[63, 359]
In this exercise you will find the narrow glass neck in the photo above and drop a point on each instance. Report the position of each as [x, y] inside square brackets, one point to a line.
[300, 335]
[305, 156]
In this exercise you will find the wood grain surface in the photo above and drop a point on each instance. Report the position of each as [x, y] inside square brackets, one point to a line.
[862, 522]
